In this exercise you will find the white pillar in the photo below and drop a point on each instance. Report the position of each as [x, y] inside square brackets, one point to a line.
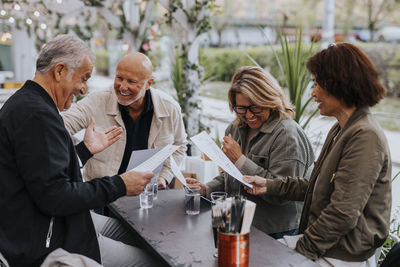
[328, 25]
[23, 55]
[114, 55]
[131, 11]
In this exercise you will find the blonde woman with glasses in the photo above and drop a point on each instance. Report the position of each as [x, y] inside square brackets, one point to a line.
[263, 140]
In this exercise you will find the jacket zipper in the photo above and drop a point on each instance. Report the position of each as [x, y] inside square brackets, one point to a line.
[50, 232]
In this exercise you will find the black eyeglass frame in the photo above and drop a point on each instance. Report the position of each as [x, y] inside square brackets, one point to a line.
[251, 108]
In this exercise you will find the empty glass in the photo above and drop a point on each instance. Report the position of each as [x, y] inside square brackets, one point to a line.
[218, 195]
[192, 200]
[146, 197]
[216, 215]
[155, 190]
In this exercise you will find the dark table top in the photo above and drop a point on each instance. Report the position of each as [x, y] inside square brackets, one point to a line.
[187, 240]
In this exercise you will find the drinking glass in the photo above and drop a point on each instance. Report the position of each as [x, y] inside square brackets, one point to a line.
[192, 200]
[146, 197]
[218, 195]
[216, 215]
[155, 190]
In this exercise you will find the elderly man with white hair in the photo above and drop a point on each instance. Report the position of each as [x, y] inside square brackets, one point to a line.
[44, 202]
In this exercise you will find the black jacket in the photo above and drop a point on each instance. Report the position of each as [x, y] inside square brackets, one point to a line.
[44, 204]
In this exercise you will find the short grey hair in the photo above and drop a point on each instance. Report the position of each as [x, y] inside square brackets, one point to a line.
[64, 48]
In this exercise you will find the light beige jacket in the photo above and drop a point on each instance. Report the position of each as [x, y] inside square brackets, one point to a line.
[166, 128]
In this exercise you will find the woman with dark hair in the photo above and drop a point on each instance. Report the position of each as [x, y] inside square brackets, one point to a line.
[264, 140]
[347, 200]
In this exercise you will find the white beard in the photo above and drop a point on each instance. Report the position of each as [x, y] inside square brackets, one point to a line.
[142, 92]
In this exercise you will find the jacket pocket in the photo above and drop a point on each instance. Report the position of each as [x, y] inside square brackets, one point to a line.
[260, 160]
[49, 232]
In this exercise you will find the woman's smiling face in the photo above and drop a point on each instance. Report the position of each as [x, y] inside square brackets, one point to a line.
[254, 121]
[328, 104]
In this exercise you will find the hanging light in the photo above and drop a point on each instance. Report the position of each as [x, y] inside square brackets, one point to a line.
[43, 26]
[36, 13]
[3, 12]
[17, 7]
[11, 19]
[29, 21]
[59, 1]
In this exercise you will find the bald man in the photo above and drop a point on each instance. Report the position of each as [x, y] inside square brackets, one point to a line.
[149, 118]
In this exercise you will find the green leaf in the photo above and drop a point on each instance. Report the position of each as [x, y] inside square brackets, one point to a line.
[293, 67]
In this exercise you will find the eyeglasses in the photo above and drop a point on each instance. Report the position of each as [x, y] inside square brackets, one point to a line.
[243, 109]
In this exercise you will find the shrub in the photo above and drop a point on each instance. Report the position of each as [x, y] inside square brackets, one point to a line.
[296, 78]
[101, 63]
[221, 63]
[386, 58]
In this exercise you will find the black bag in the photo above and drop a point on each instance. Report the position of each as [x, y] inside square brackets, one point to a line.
[393, 257]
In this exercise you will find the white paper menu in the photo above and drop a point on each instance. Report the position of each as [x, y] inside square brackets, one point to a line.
[177, 172]
[204, 142]
[158, 158]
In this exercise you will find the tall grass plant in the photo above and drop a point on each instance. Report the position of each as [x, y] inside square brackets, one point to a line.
[292, 64]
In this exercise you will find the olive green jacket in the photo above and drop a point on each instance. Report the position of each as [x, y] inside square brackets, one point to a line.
[279, 148]
[347, 200]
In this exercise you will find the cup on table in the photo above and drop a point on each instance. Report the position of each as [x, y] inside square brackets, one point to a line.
[218, 196]
[192, 200]
[147, 196]
[233, 249]
[216, 215]
[155, 190]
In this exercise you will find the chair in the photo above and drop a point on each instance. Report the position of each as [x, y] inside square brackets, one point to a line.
[379, 250]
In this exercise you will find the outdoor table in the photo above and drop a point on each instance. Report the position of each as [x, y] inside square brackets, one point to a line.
[187, 240]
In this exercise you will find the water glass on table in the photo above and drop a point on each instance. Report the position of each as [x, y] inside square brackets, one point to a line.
[216, 215]
[146, 197]
[218, 196]
[192, 200]
[155, 190]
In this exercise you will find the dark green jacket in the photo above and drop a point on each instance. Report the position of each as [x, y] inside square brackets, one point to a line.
[279, 148]
[347, 200]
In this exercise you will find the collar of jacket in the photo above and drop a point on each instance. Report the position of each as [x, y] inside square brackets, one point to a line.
[38, 88]
[270, 124]
[358, 113]
[267, 128]
[160, 111]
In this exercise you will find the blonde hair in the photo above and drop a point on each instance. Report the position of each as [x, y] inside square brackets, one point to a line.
[261, 89]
